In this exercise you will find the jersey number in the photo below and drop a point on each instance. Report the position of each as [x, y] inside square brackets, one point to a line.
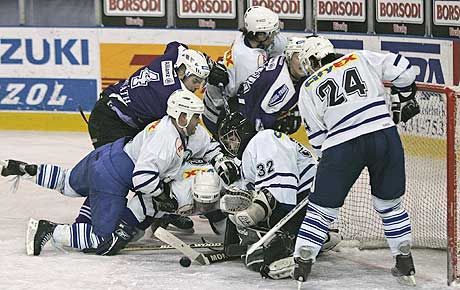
[263, 169]
[352, 83]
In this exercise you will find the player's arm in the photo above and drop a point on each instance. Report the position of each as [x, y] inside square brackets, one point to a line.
[312, 120]
[397, 69]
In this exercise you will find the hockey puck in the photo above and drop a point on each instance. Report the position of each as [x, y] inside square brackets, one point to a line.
[185, 261]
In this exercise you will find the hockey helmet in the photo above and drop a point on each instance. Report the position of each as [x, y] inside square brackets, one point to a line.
[293, 45]
[206, 188]
[314, 49]
[234, 133]
[259, 19]
[195, 63]
[184, 101]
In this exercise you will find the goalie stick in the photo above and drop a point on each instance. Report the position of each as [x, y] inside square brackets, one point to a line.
[184, 248]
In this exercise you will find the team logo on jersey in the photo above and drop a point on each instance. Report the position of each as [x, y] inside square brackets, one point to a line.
[153, 125]
[337, 64]
[271, 65]
[179, 147]
[228, 58]
[144, 77]
[279, 95]
[167, 72]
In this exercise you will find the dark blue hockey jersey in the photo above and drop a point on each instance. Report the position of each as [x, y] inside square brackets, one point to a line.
[267, 93]
[143, 97]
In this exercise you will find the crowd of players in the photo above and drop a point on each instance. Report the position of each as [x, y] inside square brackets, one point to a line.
[146, 134]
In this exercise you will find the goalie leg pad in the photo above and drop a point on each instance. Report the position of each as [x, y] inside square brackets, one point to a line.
[278, 247]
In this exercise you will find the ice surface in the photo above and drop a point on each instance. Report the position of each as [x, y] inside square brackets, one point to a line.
[349, 268]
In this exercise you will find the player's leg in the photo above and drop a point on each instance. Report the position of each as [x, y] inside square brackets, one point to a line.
[337, 171]
[387, 172]
[104, 125]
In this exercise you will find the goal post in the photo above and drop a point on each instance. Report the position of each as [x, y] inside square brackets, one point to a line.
[432, 156]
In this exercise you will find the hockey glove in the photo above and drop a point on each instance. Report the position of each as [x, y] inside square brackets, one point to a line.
[288, 122]
[166, 202]
[404, 106]
[218, 76]
[122, 235]
[226, 168]
[235, 200]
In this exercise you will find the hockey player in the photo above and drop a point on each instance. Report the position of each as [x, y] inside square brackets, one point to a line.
[350, 125]
[127, 106]
[268, 98]
[277, 173]
[143, 164]
[260, 39]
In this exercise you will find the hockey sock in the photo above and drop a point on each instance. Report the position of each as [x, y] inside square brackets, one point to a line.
[80, 236]
[84, 215]
[314, 228]
[396, 222]
[51, 176]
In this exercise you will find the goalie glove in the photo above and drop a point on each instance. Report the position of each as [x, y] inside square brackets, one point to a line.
[226, 168]
[235, 200]
[261, 208]
[218, 76]
[404, 106]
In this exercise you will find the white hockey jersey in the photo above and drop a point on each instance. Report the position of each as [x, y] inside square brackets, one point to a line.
[241, 61]
[274, 161]
[346, 98]
[159, 151]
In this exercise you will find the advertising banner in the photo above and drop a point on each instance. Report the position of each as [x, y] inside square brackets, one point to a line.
[48, 69]
[207, 14]
[137, 13]
[446, 18]
[400, 17]
[341, 15]
[290, 12]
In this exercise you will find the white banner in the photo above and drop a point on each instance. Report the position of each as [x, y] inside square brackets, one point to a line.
[146, 8]
[446, 13]
[400, 11]
[341, 10]
[286, 9]
[221, 9]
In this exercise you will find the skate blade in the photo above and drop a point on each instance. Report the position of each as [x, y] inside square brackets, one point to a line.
[30, 236]
[407, 280]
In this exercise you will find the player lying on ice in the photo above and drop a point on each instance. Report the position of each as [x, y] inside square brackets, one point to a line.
[143, 164]
[350, 121]
[276, 174]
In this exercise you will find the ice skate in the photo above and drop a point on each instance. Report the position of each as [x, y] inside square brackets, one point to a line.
[17, 168]
[39, 232]
[404, 269]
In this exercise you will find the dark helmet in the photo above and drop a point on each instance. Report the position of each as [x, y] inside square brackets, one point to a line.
[234, 133]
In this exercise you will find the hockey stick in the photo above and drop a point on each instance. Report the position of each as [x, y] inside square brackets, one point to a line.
[201, 258]
[276, 227]
[144, 247]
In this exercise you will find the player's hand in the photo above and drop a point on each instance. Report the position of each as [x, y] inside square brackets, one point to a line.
[122, 235]
[218, 76]
[227, 169]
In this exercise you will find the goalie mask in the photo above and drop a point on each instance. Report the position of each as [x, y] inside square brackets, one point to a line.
[235, 132]
[206, 191]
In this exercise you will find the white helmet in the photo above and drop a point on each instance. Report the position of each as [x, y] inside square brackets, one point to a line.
[294, 44]
[206, 189]
[261, 19]
[316, 47]
[195, 63]
[184, 101]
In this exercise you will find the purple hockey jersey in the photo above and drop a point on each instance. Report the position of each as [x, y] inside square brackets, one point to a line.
[143, 97]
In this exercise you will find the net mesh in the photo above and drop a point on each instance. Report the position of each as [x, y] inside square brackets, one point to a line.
[424, 140]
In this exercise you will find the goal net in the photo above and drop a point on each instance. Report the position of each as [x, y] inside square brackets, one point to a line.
[432, 155]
